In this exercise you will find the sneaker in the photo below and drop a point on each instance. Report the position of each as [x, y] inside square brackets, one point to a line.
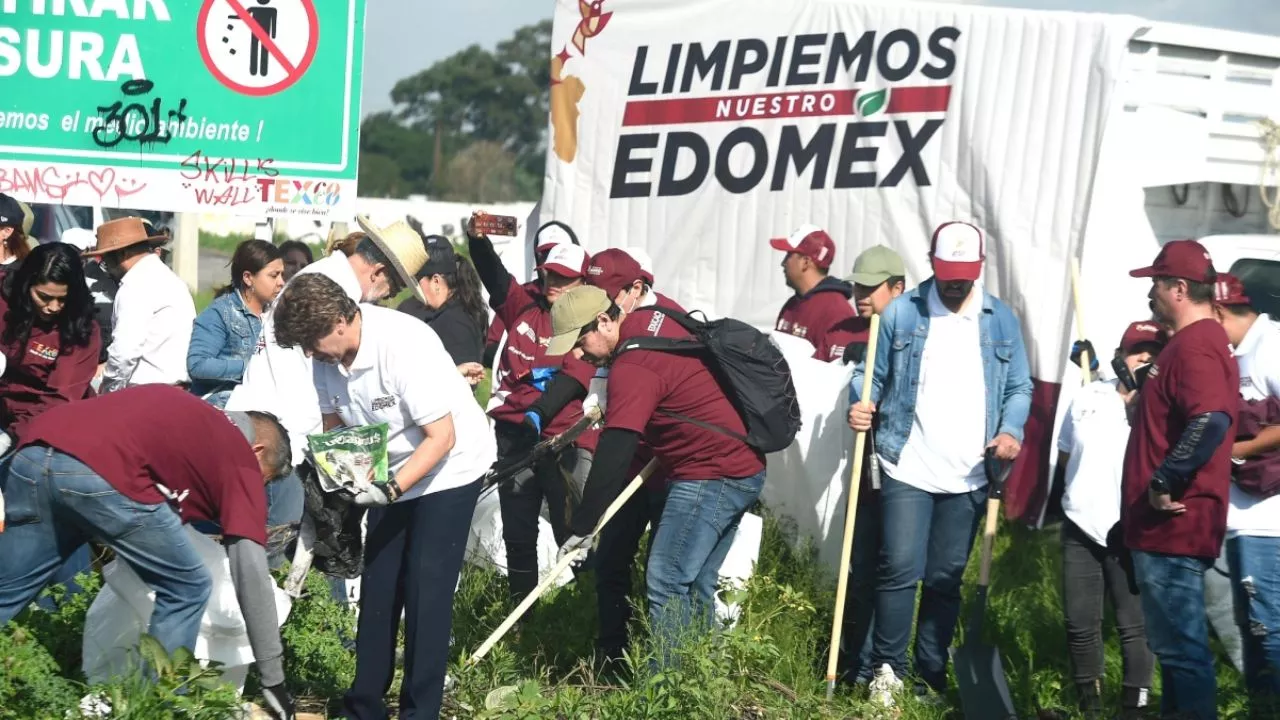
[884, 686]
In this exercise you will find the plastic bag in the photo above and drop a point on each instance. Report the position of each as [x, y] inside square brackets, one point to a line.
[738, 566]
[121, 612]
[350, 458]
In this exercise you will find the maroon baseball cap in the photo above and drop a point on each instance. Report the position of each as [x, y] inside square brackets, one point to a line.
[1186, 259]
[612, 270]
[957, 251]
[1228, 290]
[811, 241]
[1143, 331]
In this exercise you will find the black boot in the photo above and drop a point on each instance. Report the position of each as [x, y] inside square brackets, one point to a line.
[1090, 699]
[1135, 702]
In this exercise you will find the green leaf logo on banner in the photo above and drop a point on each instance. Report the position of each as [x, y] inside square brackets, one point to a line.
[869, 104]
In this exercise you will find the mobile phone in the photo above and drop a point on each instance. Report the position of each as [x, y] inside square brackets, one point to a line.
[487, 224]
[1140, 374]
[1123, 374]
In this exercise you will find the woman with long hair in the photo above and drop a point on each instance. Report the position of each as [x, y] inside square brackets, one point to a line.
[455, 309]
[50, 341]
[13, 239]
[226, 333]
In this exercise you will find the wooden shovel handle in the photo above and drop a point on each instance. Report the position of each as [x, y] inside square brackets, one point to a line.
[988, 540]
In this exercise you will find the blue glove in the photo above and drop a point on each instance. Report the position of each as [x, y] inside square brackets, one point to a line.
[534, 419]
[541, 376]
[1081, 346]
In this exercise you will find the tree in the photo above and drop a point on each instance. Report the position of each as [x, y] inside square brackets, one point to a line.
[483, 173]
[474, 96]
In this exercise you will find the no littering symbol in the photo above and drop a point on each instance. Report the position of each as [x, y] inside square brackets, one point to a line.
[257, 47]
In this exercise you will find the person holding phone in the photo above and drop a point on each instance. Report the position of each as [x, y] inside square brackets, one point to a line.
[1095, 562]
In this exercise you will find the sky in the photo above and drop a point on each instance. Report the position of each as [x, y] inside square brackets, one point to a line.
[405, 36]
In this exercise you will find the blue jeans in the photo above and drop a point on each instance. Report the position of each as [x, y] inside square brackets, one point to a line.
[1172, 591]
[1255, 578]
[860, 597]
[926, 537]
[693, 537]
[54, 504]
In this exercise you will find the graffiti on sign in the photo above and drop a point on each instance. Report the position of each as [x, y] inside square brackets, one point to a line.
[135, 122]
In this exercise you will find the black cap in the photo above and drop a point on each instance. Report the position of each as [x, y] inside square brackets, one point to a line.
[441, 257]
[10, 212]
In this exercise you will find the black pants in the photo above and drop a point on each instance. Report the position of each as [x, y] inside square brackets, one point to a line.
[1088, 570]
[614, 565]
[412, 557]
[558, 480]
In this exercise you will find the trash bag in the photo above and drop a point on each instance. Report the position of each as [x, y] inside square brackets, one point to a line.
[121, 612]
[738, 566]
[338, 548]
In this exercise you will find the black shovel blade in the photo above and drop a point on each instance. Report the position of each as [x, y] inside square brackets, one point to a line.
[984, 690]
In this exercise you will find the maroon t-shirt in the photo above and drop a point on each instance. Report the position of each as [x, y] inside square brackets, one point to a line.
[1194, 374]
[42, 374]
[821, 316]
[140, 436]
[645, 383]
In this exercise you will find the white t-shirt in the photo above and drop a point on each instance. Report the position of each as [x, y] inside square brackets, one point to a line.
[943, 453]
[403, 376]
[1259, 359]
[279, 380]
[1095, 432]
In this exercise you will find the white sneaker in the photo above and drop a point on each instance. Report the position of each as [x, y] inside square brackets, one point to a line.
[884, 686]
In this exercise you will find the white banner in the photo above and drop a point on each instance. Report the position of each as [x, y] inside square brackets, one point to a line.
[699, 129]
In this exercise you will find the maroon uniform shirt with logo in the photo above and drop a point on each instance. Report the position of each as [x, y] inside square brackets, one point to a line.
[1193, 375]
[528, 323]
[645, 385]
[823, 317]
[157, 434]
[40, 375]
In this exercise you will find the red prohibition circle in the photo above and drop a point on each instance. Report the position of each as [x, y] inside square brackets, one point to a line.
[313, 21]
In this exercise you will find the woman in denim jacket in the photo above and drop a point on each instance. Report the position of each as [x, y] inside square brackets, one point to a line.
[226, 333]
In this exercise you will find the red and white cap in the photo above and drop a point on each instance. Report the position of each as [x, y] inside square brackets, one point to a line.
[957, 251]
[552, 234]
[1228, 290]
[568, 260]
[811, 241]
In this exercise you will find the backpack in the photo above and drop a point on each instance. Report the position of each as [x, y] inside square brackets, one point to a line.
[749, 368]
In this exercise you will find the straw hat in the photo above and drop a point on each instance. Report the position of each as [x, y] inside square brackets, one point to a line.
[122, 233]
[403, 246]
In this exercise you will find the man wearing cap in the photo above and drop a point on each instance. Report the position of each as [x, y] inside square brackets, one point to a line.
[679, 408]
[1177, 471]
[523, 375]
[376, 365]
[550, 235]
[278, 379]
[1253, 519]
[821, 303]
[153, 311]
[127, 470]
[951, 379]
[624, 279]
[878, 278]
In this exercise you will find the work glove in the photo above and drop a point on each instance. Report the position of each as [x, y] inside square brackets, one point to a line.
[541, 376]
[1080, 346]
[279, 702]
[577, 546]
[597, 397]
[378, 495]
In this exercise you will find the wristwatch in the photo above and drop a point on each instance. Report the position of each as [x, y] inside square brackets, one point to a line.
[392, 488]
[1159, 485]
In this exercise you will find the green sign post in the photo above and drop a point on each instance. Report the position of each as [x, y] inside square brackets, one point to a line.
[243, 106]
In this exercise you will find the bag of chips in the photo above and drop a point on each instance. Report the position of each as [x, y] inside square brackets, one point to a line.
[350, 458]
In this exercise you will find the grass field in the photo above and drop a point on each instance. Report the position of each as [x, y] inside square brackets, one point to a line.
[769, 666]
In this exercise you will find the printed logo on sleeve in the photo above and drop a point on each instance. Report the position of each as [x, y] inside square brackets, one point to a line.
[655, 323]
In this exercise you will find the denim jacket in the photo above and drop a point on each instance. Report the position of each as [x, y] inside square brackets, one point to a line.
[222, 341]
[903, 330]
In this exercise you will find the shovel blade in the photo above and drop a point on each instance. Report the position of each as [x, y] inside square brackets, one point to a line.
[984, 689]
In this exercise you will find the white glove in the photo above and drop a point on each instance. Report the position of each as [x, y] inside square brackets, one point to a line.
[597, 397]
[378, 495]
[578, 547]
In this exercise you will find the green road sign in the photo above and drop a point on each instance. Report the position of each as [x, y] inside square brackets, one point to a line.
[243, 106]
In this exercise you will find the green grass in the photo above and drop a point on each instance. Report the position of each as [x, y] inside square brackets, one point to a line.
[770, 666]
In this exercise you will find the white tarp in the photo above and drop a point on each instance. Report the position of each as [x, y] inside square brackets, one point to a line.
[678, 126]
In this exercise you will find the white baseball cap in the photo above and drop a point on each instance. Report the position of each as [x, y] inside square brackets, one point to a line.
[568, 260]
[957, 251]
